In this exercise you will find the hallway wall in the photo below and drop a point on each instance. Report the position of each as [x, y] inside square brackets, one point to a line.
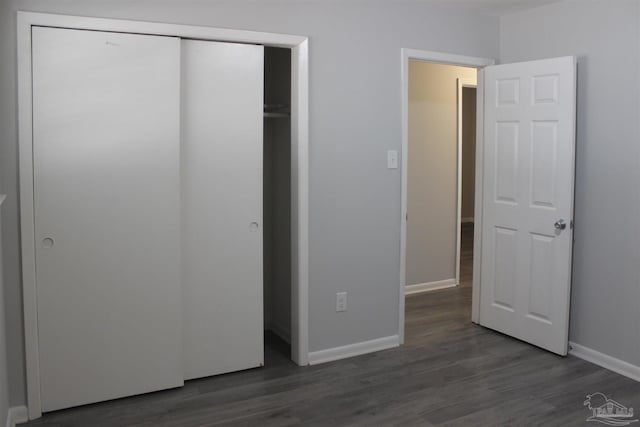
[432, 181]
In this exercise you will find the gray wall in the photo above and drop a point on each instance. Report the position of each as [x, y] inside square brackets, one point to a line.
[432, 180]
[604, 34]
[468, 151]
[4, 374]
[355, 117]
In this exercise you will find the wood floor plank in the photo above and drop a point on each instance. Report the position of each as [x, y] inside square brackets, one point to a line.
[450, 372]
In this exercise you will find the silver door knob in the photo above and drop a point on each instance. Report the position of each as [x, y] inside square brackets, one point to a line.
[560, 224]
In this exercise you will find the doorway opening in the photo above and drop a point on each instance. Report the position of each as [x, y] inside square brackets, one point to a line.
[276, 205]
[440, 186]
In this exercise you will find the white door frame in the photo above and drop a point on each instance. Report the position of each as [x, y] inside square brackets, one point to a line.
[299, 46]
[462, 83]
[448, 59]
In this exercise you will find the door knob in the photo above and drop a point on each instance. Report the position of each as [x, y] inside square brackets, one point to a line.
[560, 224]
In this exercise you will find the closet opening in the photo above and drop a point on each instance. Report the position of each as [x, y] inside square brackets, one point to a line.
[277, 205]
[182, 222]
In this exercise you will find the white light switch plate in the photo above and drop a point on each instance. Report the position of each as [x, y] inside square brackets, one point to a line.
[392, 159]
[341, 301]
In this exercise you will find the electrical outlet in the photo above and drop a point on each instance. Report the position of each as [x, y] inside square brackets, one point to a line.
[341, 301]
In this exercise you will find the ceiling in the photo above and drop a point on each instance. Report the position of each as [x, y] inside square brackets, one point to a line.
[495, 7]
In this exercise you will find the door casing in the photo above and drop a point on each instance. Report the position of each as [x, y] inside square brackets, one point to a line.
[299, 165]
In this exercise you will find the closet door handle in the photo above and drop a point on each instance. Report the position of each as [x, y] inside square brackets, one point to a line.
[47, 242]
[253, 226]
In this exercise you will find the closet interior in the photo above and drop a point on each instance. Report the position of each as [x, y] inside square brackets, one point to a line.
[277, 200]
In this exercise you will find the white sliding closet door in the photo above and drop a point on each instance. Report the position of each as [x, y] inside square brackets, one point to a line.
[222, 109]
[106, 193]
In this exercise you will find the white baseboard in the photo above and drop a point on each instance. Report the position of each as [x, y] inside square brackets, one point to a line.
[608, 362]
[357, 349]
[430, 286]
[466, 219]
[17, 415]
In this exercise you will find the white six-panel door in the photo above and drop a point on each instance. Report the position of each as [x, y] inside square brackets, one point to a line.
[222, 109]
[106, 109]
[528, 200]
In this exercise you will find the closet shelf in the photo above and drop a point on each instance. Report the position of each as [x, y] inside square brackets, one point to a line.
[277, 110]
[277, 115]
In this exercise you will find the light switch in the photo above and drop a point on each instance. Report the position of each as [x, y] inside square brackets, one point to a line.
[392, 159]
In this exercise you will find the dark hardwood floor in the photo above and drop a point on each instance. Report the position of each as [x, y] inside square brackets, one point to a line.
[450, 372]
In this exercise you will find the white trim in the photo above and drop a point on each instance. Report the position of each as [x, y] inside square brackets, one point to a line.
[430, 286]
[447, 58]
[462, 83]
[300, 203]
[608, 362]
[466, 220]
[17, 415]
[160, 29]
[352, 350]
[442, 58]
[404, 78]
[300, 165]
[26, 215]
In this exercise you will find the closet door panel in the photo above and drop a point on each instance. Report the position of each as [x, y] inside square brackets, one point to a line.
[222, 104]
[107, 181]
